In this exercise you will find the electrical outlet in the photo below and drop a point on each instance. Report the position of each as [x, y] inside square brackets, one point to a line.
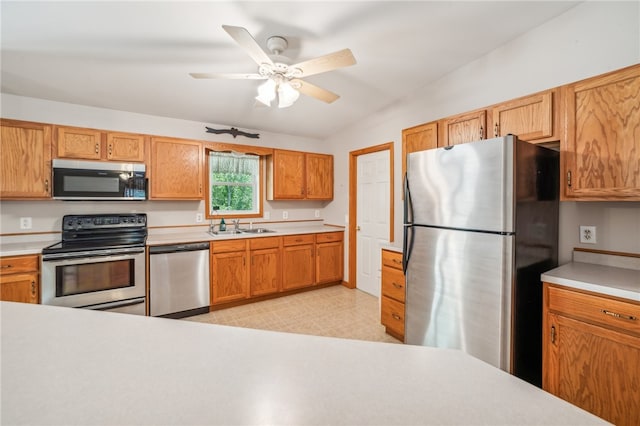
[199, 218]
[25, 223]
[316, 213]
[285, 214]
[267, 215]
[588, 234]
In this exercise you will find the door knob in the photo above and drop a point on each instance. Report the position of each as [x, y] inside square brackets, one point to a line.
[357, 228]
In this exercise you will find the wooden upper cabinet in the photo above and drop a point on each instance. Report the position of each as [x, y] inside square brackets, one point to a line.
[91, 144]
[287, 175]
[467, 127]
[75, 142]
[176, 170]
[601, 153]
[533, 118]
[297, 175]
[418, 138]
[319, 176]
[25, 163]
[125, 147]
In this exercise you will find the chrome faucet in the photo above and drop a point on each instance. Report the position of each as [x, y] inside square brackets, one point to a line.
[212, 226]
[236, 224]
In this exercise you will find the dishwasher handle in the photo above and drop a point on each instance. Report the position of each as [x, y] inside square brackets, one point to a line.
[175, 248]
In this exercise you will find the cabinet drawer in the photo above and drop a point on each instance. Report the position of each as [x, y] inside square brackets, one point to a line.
[228, 246]
[392, 259]
[595, 309]
[264, 243]
[294, 240]
[16, 264]
[329, 237]
[393, 284]
[392, 313]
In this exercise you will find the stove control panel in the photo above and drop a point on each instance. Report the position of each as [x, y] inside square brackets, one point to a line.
[104, 221]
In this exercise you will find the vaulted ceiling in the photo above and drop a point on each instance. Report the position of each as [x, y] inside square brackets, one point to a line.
[137, 56]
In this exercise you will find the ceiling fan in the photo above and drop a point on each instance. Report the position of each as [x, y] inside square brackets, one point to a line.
[283, 81]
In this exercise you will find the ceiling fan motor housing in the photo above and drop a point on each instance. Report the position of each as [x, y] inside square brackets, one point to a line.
[277, 44]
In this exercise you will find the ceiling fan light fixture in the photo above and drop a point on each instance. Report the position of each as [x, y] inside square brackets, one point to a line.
[287, 95]
[267, 92]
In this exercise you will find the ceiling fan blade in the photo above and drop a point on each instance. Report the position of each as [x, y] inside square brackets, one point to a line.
[332, 61]
[315, 91]
[248, 43]
[229, 76]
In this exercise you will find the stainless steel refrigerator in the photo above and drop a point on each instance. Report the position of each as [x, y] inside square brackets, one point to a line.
[480, 226]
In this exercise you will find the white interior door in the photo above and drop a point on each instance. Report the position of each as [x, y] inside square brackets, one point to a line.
[373, 218]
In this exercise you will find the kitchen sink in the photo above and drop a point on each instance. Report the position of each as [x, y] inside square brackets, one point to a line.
[256, 231]
[227, 232]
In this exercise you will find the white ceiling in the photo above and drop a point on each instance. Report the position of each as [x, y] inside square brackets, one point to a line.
[137, 56]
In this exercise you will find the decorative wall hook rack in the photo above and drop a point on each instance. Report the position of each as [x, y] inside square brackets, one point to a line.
[233, 132]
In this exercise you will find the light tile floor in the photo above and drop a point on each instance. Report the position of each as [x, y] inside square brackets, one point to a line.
[334, 311]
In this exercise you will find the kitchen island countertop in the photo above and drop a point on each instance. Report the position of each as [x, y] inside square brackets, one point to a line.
[74, 366]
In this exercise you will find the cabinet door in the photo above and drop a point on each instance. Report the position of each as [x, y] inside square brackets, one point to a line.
[594, 368]
[176, 169]
[229, 277]
[265, 271]
[19, 288]
[25, 163]
[319, 176]
[125, 147]
[288, 175]
[392, 317]
[329, 262]
[468, 127]
[530, 118]
[297, 266]
[418, 138]
[602, 146]
[74, 142]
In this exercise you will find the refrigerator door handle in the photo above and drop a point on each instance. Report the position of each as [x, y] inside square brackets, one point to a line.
[407, 243]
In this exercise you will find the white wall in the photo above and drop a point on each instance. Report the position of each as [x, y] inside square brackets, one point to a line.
[590, 39]
[47, 215]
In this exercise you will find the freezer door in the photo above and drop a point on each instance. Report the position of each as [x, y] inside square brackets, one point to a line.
[467, 186]
[459, 292]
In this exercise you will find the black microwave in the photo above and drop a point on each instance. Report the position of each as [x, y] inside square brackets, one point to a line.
[92, 180]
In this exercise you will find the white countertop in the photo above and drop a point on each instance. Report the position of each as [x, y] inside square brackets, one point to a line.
[159, 238]
[72, 366]
[17, 246]
[610, 280]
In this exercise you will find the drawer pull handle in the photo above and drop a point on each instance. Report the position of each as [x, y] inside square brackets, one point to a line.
[397, 261]
[396, 285]
[617, 315]
[396, 317]
[6, 266]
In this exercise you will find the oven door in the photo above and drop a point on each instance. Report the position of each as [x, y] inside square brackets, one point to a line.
[92, 281]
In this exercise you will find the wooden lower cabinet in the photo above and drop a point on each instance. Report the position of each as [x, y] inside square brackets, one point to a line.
[392, 303]
[20, 279]
[265, 272]
[298, 261]
[591, 352]
[329, 257]
[229, 271]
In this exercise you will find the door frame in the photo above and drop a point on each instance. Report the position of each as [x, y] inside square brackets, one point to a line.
[353, 202]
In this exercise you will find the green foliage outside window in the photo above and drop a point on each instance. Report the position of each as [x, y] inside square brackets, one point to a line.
[234, 183]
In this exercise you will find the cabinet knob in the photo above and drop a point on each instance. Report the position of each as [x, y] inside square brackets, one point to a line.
[396, 285]
[110, 149]
[46, 185]
[6, 266]
[396, 317]
[97, 147]
[33, 288]
[495, 130]
[481, 132]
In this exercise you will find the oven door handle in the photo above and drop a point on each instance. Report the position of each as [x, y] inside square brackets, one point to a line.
[91, 256]
[118, 304]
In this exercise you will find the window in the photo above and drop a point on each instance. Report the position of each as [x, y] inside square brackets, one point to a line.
[234, 185]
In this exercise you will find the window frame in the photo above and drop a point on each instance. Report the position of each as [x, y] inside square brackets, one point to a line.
[261, 186]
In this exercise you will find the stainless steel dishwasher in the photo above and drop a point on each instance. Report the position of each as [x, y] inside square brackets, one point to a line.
[179, 280]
